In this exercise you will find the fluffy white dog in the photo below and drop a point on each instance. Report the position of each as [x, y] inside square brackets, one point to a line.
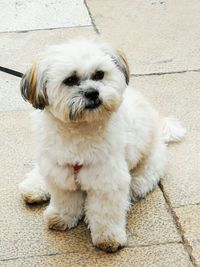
[92, 130]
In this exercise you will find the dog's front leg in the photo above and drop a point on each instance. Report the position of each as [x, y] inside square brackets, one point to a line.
[66, 203]
[65, 210]
[106, 208]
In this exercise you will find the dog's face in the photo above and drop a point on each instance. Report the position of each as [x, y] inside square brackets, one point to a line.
[78, 81]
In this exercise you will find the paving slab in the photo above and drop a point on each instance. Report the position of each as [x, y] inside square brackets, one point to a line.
[150, 222]
[19, 51]
[22, 15]
[177, 95]
[154, 256]
[189, 219]
[196, 251]
[10, 96]
[157, 36]
[23, 232]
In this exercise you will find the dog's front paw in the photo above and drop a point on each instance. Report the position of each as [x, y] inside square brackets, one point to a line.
[58, 221]
[33, 189]
[33, 192]
[108, 245]
[110, 242]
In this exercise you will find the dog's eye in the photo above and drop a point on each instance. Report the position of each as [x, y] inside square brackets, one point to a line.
[98, 75]
[71, 81]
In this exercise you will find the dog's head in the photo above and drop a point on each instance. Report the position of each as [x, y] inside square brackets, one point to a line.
[78, 81]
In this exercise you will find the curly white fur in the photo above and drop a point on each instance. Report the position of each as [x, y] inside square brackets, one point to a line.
[123, 135]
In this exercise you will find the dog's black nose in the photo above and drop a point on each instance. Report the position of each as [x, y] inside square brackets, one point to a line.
[91, 94]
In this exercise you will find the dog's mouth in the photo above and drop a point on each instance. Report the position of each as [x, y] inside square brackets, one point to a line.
[77, 108]
[93, 104]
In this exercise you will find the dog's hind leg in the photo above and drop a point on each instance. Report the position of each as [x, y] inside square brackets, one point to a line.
[149, 171]
[33, 189]
[147, 174]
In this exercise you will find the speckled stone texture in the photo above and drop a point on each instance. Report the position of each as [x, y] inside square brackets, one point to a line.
[150, 222]
[163, 229]
[158, 256]
[22, 15]
[178, 95]
[30, 45]
[157, 35]
[189, 218]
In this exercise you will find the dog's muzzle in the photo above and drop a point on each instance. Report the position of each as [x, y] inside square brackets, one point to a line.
[92, 98]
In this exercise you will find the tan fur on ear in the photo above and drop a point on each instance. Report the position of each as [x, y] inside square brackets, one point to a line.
[32, 81]
[32, 91]
[123, 58]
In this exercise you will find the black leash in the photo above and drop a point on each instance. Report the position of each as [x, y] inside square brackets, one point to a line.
[12, 72]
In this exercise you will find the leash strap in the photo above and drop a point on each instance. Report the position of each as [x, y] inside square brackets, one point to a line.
[12, 72]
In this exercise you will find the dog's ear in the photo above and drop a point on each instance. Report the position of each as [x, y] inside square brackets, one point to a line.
[33, 88]
[123, 65]
[121, 62]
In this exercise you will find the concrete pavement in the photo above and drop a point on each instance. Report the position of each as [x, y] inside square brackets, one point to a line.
[161, 40]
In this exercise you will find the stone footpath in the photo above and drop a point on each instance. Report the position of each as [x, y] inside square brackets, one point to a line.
[162, 42]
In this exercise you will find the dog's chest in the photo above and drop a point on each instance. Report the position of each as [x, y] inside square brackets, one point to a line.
[76, 152]
[86, 148]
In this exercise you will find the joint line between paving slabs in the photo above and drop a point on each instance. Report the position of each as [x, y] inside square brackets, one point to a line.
[184, 205]
[33, 256]
[47, 29]
[91, 17]
[163, 73]
[185, 242]
[154, 244]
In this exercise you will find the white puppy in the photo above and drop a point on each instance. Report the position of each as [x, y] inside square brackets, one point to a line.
[92, 130]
